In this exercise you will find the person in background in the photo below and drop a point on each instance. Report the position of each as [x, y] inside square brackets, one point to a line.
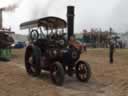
[85, 47]
[111, 51]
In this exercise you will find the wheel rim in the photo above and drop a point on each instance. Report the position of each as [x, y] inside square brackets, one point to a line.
[30, 63]
[55, 74]
[82, 71]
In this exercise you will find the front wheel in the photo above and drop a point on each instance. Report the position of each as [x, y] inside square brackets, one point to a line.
[83, 71]
[57, 73]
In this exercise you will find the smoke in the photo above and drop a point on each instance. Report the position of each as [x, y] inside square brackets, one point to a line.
[47, 7]
[11, 7]
[41, 8]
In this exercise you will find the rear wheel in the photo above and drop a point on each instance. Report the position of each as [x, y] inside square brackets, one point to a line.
[57, 73]
[32, 62]
[83, 71]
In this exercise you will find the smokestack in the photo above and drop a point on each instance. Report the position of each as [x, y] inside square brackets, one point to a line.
[70, 20]
[6, 9]
[1, 19]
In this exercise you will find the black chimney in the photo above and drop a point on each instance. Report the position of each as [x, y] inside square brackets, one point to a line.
[70, 20]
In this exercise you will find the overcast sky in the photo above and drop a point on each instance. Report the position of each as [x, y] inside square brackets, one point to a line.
[88, 13]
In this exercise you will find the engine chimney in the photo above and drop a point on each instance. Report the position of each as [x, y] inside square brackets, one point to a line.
[1, 18]
[70, 20]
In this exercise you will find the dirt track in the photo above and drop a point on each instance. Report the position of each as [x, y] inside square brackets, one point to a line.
[107, 79]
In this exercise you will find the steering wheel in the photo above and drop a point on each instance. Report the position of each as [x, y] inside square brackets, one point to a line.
[34, 35]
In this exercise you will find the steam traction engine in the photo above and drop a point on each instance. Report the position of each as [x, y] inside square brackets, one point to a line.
[50, 50]
[6, 38]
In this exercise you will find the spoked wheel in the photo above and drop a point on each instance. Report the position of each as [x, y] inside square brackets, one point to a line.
[57, 73]
[83, 71]
[32, 62]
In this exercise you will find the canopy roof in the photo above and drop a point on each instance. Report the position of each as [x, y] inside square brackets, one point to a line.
[46, 22]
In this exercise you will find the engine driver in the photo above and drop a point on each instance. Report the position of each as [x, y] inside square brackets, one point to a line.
[73, 43]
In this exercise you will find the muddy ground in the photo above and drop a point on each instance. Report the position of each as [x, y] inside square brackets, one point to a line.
[107, 79]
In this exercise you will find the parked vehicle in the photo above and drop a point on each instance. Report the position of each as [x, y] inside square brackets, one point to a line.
[19, 45]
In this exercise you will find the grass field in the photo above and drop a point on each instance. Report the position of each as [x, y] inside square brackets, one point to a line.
[107, 79]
